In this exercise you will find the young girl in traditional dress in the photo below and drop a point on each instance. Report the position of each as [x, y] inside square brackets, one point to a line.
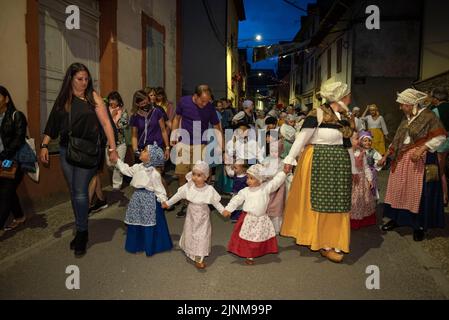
[147, 226]
[254, 235]
[196, 236]
[363, 211]
[276, 203]
[288, 135]
[375, 123]
[372, 157]
[237, 172]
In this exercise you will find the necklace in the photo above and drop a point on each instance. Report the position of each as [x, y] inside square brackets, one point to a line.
[80, 97]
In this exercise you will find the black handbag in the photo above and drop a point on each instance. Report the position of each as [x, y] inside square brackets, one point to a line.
[81, 152]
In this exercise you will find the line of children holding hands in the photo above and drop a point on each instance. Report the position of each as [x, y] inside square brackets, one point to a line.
[253, 234]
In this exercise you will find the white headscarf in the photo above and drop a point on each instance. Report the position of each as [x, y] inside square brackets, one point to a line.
[257, 171]
[239, 116]
[247, 104]
[288, 132]
[411, 97]
[202, 167]
[334, 92]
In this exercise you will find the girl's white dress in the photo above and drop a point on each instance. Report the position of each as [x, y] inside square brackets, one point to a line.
[197, 232]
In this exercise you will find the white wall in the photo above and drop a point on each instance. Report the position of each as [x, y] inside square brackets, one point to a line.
[13, 56]
[129, 34]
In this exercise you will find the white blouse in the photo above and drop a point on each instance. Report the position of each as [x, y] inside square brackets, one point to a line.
[144, 178]
[379, 123]
[377, 157]
[359, 124]
[308, 136]
[257, 226]
[366, 169]
[205, 195]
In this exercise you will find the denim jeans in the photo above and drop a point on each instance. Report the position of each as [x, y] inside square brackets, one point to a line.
[78, 180]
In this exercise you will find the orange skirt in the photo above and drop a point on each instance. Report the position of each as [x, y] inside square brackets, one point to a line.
[317, 230]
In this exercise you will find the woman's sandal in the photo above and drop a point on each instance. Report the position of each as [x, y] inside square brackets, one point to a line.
[15, 224]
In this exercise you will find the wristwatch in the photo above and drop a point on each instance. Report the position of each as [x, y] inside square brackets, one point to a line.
[44, 146]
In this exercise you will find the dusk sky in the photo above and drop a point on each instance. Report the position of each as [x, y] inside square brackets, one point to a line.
[274, 20]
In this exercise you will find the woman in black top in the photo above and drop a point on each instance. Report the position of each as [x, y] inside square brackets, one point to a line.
[88, 117]
[13, 127]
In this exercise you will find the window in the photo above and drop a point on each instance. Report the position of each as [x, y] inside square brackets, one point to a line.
[329, 63]
[339, 54]
[153, 47]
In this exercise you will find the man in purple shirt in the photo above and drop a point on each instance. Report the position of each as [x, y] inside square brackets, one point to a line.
[194, 114]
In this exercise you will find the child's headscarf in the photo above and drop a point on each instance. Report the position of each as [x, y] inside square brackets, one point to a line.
[365, 134]
[257, 171]
[156, 156]
[202, 167]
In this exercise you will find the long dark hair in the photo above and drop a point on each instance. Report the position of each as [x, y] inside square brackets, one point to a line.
[138, 97]
[114, 95]
[161, 91]
[64, 99]
[4, 92]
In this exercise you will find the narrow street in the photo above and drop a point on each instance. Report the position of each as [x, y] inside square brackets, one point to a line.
[34, 262]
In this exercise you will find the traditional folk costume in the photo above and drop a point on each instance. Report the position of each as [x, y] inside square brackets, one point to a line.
[317, 212]
[276, 203]
[442, 112]
[254, 235]
[147, 226]
[414, 195]
[363, 210]
[372, 157]
[288, 135]
[378, 129]
[197, 232]
[239, 183]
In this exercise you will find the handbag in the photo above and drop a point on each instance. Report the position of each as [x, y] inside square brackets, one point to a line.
[81, 152]
[27, 157]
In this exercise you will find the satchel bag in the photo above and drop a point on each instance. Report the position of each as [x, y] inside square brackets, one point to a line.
[27, 157]
[81, 152]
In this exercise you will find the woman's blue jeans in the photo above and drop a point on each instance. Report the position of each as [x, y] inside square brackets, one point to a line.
[78, 180]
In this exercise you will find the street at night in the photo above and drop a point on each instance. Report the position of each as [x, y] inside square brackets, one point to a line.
[229, 151]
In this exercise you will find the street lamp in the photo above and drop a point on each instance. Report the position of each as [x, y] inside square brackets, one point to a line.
[256, 38]
[260, 74]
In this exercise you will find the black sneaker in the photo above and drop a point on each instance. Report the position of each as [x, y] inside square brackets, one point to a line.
[98, 206]
[182, 213]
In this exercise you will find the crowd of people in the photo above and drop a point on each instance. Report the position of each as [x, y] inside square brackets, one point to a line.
[293, 172]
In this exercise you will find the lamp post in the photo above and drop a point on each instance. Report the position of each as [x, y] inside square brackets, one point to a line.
[256, 38]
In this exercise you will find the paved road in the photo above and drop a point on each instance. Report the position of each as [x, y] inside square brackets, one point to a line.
[108, 272]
